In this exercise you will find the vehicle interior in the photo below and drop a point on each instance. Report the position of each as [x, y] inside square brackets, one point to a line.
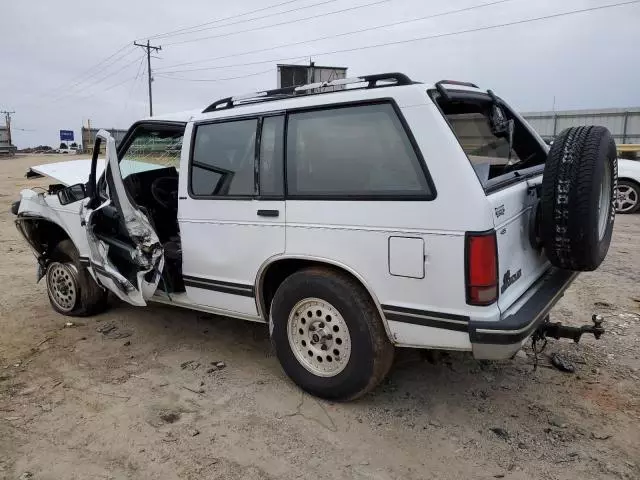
[149, 159]
[493, 138]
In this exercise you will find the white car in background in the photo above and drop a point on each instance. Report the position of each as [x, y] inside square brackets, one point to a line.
[628, 195]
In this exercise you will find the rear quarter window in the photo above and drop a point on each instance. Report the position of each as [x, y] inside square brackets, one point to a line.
[352, 151]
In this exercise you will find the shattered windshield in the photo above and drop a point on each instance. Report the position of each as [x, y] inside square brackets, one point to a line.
[152, 150]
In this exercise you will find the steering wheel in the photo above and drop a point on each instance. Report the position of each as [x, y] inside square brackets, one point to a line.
[164, 191]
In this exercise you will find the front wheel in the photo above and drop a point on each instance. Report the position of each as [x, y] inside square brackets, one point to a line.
[328, 334]
[71, 289]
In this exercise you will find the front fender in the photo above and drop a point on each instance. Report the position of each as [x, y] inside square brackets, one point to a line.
[39, 207]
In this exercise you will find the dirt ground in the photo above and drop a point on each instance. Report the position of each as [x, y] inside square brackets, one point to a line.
[133, 393]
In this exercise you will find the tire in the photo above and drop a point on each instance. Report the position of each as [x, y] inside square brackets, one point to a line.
[627, 197]
[358, 354]
[71, 289]
[577, 201]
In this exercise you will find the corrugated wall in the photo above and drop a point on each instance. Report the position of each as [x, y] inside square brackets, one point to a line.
[89, 137]
[624, 123]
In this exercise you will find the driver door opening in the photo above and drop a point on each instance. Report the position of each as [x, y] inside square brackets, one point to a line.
[148, 161]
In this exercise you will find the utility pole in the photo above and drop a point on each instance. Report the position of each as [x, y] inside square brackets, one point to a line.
[7, 120]
[148, 47]
[311, 73]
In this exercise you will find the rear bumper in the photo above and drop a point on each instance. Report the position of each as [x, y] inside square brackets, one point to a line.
[502, 339]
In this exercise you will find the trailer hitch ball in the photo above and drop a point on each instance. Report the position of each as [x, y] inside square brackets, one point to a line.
[598, 329]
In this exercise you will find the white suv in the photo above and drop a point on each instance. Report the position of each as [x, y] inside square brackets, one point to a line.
[352, 216]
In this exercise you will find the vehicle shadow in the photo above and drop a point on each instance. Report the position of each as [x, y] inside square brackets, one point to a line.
[419, 379]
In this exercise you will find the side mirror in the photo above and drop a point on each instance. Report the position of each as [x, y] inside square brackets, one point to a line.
[72, 194]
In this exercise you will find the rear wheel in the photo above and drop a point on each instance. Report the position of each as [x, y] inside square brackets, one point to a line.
[328, 334]
[627, 197]
[71, 289]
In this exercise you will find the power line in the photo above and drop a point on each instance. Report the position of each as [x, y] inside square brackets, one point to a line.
[93, 84]
[262, 72]
[418, 39]
[105, 66]
[81, 77]
[253, 29]
[324, 2]
[352, 32]
[171, 32]
[133, 84]
[92, 94]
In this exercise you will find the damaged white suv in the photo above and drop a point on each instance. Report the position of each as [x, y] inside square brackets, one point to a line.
[352, 216]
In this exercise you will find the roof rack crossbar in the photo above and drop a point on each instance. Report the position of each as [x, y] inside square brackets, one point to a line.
[390, 79]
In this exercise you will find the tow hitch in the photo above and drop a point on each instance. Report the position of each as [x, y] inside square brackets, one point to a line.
[557, 330]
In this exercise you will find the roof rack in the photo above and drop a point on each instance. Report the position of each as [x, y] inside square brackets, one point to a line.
[443, 91]
[372, 81]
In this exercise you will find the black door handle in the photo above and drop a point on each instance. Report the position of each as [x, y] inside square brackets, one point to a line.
[269, 213]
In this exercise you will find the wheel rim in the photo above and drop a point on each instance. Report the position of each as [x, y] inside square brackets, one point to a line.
[626, 198]
[62, 285]
[604, 202]
[319, 337]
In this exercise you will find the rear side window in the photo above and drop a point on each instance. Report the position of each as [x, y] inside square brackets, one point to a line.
[352, 151]
[223, 162]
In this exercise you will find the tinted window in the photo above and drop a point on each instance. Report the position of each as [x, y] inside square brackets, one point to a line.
[361, 150]
[271, 153]
[223, 160]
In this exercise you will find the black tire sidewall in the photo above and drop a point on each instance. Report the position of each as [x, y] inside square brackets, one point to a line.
[596, 247]
[63, 255]
[91, 298]
[359, 370]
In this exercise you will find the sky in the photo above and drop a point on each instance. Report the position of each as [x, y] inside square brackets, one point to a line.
[66, 62]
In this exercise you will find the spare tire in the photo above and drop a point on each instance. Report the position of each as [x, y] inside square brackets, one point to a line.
[577, 201]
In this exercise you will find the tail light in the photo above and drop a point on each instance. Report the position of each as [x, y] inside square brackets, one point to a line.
[481, 256]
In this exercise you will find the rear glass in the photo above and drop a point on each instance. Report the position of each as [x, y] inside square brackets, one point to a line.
[491, 152]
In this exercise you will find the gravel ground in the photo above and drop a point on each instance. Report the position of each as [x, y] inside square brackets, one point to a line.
[136, 393]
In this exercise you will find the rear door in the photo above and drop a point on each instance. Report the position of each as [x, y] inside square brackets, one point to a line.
[509, 166]
[520, 262]
[125, 254]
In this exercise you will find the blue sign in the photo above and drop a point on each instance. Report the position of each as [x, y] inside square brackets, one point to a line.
[66, 135]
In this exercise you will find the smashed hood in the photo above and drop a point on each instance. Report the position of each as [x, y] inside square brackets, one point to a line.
[68, 173]
[77, 171]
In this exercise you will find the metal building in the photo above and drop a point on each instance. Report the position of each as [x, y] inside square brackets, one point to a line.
[88, 136]
[623, 123]
[293, 75]
[6, 148]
